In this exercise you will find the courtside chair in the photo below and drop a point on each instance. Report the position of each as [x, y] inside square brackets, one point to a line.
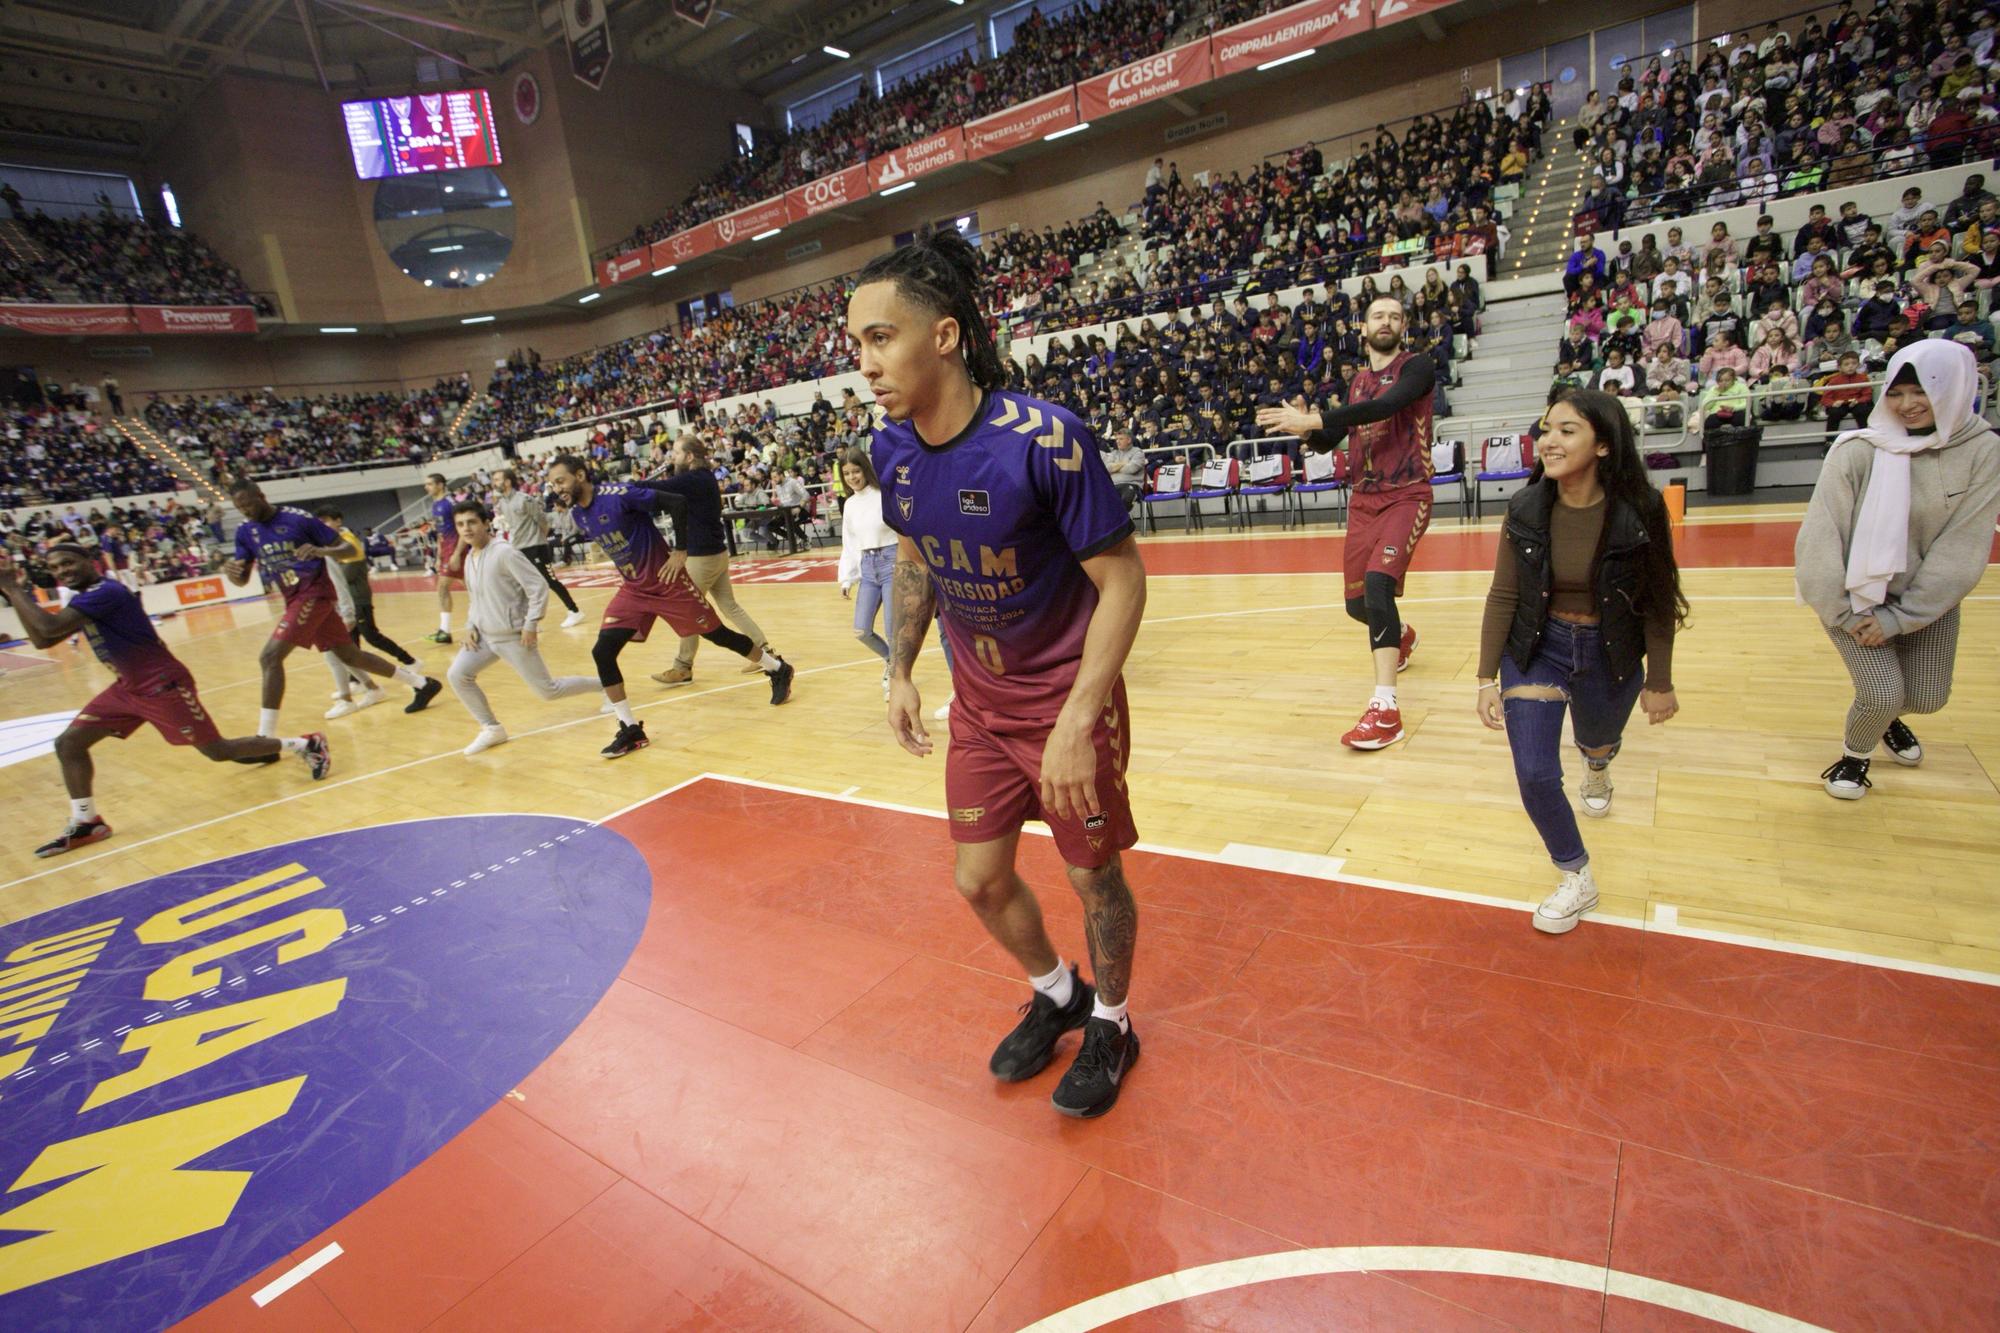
[1449, 470]
[1315, 483]
[1218, 479]
[1167, 483]
[1501, 458]
[1269, 475]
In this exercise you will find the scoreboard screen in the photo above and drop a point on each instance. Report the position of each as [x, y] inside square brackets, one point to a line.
[407, 136]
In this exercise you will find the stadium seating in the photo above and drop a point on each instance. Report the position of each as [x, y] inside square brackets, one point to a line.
[52, 456]
[112, 258]
[263, 435]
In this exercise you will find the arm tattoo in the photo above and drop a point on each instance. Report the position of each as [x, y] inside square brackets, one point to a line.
[914, 600]
[1111, 924]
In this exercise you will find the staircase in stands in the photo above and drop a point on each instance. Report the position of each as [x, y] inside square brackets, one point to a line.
[466, 411]
[1554, 190]
[150, 442]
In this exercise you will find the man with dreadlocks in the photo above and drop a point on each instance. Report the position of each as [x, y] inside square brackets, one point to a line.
[1011, 528]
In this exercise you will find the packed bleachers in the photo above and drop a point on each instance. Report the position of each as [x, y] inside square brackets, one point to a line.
[113, 258]
[262, 434]
[155, 541]
[61, 454]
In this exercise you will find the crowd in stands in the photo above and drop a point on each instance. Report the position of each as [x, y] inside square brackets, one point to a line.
[136, 543]
[260, 434]
[1906, 87]
[61, 453]
[114, 258]
[1798, 322]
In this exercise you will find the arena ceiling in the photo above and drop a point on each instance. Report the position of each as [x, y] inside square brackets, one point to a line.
[111, 75]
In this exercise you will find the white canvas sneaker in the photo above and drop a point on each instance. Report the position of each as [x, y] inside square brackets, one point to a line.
[487, 738]
[1561, 910]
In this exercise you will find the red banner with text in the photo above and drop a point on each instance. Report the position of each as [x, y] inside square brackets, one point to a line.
[1146, 80]
[1022, 123]
[1290, 31]
[621, 268]
[1395, 11]
[127, 319]
[943, 149]
[684, 245]
[747, 222]
[846, 186]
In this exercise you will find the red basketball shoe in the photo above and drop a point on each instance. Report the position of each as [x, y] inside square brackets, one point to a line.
[1406, 647]
[1379, 727]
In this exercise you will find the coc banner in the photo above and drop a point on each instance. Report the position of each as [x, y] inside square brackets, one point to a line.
[747, 222]
[1145, 80]
[1290, 31]
[943, 149]
[621, 268]
[846, 186]
[127, 319]
[1022, 123]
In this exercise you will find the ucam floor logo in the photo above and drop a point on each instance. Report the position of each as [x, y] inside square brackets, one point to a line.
[202, 1071]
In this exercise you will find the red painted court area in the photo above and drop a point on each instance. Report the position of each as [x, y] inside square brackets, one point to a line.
[780, 1117]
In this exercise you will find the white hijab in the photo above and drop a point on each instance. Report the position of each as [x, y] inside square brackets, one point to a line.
[1879, 546]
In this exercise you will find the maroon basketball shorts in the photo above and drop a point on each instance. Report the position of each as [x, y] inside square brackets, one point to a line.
[1383, 529]
[992, 784]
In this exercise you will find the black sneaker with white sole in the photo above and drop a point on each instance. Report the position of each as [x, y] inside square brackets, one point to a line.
[425, 693]
[781, 683]
[1903, 745]
[1026, 1051]
[631, 736]
[1090, 1088]
[79, 834]
[1847, 779]
[318, 756]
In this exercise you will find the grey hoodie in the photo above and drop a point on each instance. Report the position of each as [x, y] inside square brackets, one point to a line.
[1954, 499]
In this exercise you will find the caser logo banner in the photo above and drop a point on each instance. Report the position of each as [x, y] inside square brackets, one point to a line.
[1144, 80]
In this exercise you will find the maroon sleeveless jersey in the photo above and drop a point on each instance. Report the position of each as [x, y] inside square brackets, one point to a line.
[1389, 455]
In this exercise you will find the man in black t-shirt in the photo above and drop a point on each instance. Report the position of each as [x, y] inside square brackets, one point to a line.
[693, 480]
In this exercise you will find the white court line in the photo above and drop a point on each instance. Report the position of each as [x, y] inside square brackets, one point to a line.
[265, 1295]
[1255, 856]
[1230, 1274]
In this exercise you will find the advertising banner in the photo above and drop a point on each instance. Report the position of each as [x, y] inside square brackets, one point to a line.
[621, 268]
[847, 186]
[1022, 123]
[1145, 80]
[128, 319]
[747, 222]
[1289, 31]
[684, 245]
[943, 149]
[1395, 11]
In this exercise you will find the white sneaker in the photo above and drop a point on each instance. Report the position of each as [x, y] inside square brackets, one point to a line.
[1561, 910]
[370, 699]
[1595, 793]
[607, 708]
[342, 707]
[943, 712]
[487, 738]
[573, 619]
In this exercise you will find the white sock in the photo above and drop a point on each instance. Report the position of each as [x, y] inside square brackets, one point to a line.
[267, 722]
[413, 679]
[292, 744]
[1114, 1012]
[339, 670]
[1384, 695]
[770, 662]
[1058, 985]
[623, 707]
[82, 809]
[444, 622]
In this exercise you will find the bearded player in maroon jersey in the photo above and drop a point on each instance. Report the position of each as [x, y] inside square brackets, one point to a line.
[1388, 421]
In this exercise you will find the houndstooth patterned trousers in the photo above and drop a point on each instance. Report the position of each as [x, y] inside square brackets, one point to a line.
[1909, 674]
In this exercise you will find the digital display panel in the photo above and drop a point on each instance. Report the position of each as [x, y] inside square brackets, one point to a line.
[407, 136]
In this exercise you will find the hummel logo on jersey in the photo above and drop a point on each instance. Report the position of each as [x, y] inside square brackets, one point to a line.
[906, 503]
[974, 502]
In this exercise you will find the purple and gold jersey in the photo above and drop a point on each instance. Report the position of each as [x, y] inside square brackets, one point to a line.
[446, 521]
[620, 520]
[123, 637]
[274, 546]
[1005, 514]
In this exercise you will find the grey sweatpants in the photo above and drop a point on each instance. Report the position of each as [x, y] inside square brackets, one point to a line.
[527, 662]
[711, 574]
[1909, 674]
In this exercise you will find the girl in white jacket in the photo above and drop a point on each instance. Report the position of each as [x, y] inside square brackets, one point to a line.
[867, 554]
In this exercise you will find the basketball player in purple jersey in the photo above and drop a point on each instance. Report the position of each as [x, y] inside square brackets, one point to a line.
[1011, 528]
[450, 569]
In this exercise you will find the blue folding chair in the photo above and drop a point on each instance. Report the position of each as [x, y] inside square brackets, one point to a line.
[1523, 447]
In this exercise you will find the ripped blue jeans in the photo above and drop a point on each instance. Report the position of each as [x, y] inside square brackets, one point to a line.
[1570, 662]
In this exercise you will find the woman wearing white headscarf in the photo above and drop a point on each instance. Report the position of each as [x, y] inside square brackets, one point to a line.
[1898, 532]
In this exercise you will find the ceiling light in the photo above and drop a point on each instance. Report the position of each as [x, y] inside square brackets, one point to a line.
[662, 272]
[586, 300]
[338, 328]
[1073, 129]
[478, 319]
[1286, 60]
[898, 189]
[835, 52]
[767, 235]
[442, 250]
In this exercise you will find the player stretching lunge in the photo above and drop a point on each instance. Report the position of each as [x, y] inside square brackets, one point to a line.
[1388, 417]
[1008, 519]
[619, 518]
[527, 526]
[152, 686]
[290, 546]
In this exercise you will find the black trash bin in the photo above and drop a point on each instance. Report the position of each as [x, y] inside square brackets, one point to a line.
[1732, 459]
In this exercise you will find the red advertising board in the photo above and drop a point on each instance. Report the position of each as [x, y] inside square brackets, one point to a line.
[1395, 11]
[943, 149]
[684, 245]
[1022, 123]
[1145, 80]
[128, 319]
[747, 222]
[847, 186]
[621, 268]
[1289, 31]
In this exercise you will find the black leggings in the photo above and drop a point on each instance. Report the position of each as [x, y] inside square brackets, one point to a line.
[540, 555]
[1376, 608]
[611, 642]
[366, 630]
